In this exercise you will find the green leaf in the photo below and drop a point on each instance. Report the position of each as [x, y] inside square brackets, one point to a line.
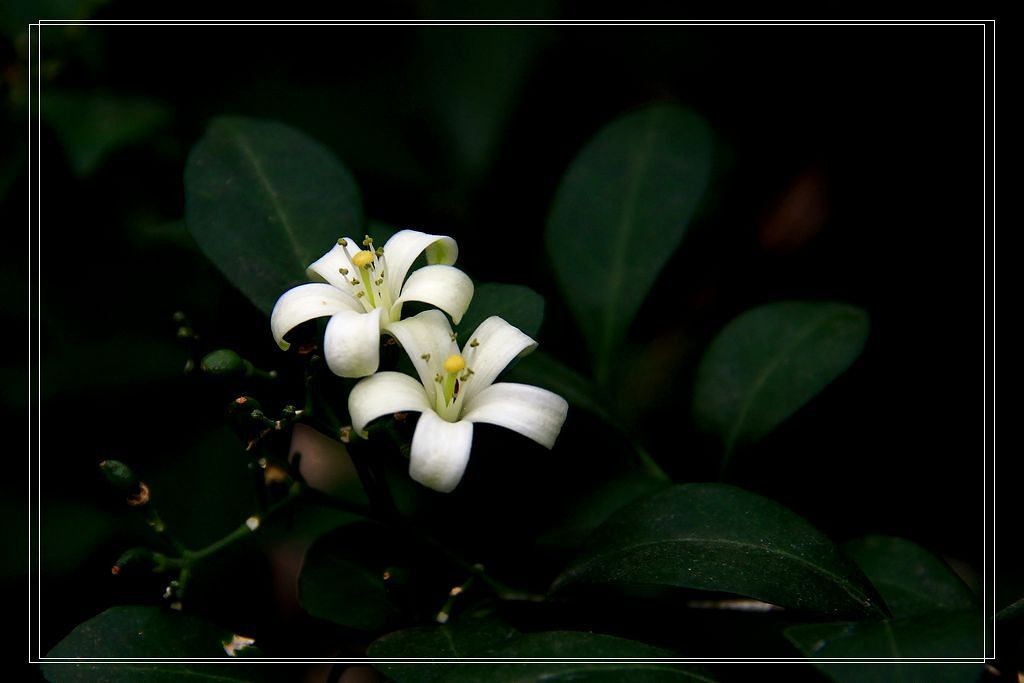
[585, 513]
[518, 305]
[467, 637]
[93, 125]
[342, 578]
[911, 580]
[1012, 612]
[769, 362]
[142, 631]
[620, 212]
[573, 645]
[545, 371]
[721, 538]
[936, 635]
[264, 201]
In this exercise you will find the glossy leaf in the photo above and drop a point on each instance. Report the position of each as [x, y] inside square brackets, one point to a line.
[621, 210]
[769, 362]
[721, 538]
[954, 634]
[911, 580]
[519, 305]
[264, 201]
[342, 579]
[577, 645]
[584, 514]
[143, 631]
[469, 636]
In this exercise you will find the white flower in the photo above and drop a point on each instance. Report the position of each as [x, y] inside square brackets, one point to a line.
[363, 291]
[455, 390]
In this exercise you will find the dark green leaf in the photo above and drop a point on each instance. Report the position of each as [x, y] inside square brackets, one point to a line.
[721, 538]
[586, 513]
[769, 362]
[576, 645]
[342, 578]
[264, 201]
[92, 125]
[470, 636]
[141, 631]
[911, 580]
[1012, 612]
[936, 635]
[543, 370]
[620, 212]
[518, 305]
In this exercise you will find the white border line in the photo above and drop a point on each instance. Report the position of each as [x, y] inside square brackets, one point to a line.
[988, 569]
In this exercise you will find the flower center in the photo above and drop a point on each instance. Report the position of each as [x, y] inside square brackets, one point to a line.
[366, 267]
[447, 386]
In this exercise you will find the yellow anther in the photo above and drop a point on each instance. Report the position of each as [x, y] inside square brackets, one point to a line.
[453, 364]
[363, 258]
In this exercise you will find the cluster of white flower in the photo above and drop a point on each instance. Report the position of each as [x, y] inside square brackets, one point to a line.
[362, 289]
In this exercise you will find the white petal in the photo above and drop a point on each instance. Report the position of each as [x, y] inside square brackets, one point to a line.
[352, 343]
[533, 412]
[445, 287]
[440, 451]
[306, 302]
[425, 333]
[383, 394]
[404, 248]
[497, 344]
[326, 267]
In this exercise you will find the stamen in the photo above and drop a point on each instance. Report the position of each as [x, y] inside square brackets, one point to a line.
[343, 271]
[438, 378]
[453, 335]
[360, 293]
[354, 281]
[426, 357]
[380, 251]
[367, 240]
[342, 242]
[475, 343]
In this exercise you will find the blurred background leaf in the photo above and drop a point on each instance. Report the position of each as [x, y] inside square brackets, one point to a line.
[93, 125]
[769, 362]
[620, 212]
[910, 579]
[264, 201]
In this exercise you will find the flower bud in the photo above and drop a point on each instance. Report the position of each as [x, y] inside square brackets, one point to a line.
[225, 363]
[119, 475]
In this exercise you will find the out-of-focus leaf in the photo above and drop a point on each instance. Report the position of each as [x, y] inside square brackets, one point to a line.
[721, 538]
[342, 578]
[543, 370]
[1012, 612]
[620, 212]
[910, 579]
[148, 632]
[769, 362]
[518, 305]
[577, 645]
[264, 201]
[470, 636]
[93, 125]
[954, 634]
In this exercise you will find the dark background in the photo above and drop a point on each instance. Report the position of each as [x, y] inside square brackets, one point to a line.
[850, 165]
